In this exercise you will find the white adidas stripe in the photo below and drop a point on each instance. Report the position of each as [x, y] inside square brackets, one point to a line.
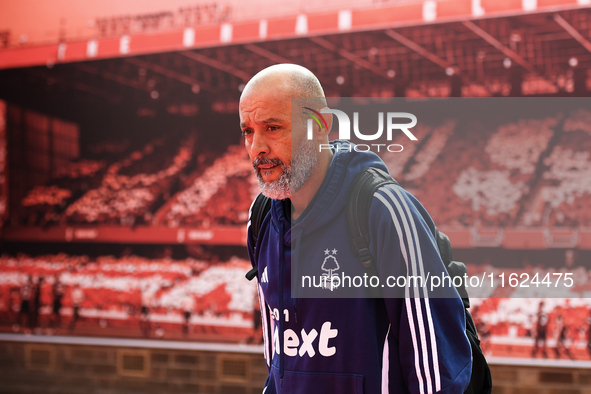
[265, 276]
[263, 306]
[386, 364]
[417, 297]
[433, 338]
[416, 267]
[418, 300]
[406, 294]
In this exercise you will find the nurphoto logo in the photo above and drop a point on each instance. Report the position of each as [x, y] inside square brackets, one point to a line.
[391, 119]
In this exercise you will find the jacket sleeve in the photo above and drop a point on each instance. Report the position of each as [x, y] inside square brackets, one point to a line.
[427, 325]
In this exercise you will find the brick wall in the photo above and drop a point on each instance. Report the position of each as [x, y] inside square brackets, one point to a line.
[540, 380]
[61, 368]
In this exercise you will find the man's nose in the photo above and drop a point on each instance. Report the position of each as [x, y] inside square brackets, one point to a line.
[259, 144]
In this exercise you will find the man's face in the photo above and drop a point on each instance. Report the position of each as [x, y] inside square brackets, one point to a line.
[265, 119]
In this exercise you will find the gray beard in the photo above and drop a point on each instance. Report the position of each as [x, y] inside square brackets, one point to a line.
[292, 177]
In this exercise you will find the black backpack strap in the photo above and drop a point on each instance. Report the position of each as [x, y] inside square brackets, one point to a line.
[454, 268]
[444, 246]
[260, 207]
[359, 198]
[481, 379]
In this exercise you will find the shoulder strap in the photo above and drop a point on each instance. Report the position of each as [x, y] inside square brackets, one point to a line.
[360, 195]
[361, 192]
[359, 198]
[454, 268]
[260, 207]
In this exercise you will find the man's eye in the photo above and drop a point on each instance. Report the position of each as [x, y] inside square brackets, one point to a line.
[273, 128]
[246, 132]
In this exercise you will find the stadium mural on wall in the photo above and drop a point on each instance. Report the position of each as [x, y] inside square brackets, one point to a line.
[492, 194]
[141, 296]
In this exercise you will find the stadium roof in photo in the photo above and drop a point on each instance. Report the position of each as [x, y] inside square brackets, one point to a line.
[412, 49]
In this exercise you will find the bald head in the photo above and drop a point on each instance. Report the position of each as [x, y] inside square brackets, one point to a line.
[295, 80]
[284, 153]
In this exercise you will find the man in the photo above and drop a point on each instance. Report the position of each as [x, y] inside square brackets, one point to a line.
[77, 297]
[146, 301]
[25, 308]
[327, 345]
[36, 302]
[541, 332]
[188, 304]
[561, 336]
[58, 294]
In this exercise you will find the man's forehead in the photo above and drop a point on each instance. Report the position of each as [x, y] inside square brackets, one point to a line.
[260, 110]
[253, 117]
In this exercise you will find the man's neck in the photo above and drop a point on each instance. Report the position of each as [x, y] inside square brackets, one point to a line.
[301, 199]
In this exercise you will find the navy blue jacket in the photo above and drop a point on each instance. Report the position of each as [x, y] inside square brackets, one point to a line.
[410, 344]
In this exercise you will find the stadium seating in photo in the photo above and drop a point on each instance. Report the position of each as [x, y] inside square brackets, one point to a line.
[220, 302]
[506, 317]
[529, 172]
[482, 174]
[220, 195]
[133, 188]
[115, 290]
[563, 196]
